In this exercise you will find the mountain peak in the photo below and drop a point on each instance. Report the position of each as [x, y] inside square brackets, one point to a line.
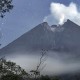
[66, 38]
[69, 22]
[53, 26]
[44, 24]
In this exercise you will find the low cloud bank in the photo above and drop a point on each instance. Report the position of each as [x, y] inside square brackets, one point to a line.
[55, 63]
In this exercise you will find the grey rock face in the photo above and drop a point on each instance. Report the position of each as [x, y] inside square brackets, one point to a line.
[62, 38]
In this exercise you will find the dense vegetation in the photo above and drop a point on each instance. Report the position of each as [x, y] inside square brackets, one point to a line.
[5, 6]
[11, 71]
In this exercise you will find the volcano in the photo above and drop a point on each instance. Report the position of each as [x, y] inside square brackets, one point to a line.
[61, 38]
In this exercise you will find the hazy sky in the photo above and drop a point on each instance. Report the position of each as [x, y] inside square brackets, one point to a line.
[25, 15]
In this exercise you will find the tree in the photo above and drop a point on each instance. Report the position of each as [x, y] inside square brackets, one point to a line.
[5, 6]
[8, 68]
[55, 78]
[11, 77]
[36, 72]
[45, 77]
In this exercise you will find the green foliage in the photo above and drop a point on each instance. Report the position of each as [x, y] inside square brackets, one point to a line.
[49, 78]
[55, 78]
[7, 68]
[11, 77]
[5, 6]
[45, 77]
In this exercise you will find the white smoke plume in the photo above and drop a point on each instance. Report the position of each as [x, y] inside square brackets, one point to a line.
[56, 63]
[59, 13]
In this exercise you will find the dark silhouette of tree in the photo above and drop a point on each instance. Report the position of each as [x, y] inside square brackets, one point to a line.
[45, 77]
[36, 72]
[5, 6]
[8, 68]
[11, 77]
[56, 78]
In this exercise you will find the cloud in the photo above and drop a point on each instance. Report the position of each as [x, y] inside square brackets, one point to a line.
[56, 63]
[59, 13]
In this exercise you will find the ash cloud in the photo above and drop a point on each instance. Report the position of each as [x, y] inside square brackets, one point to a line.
[59, 13]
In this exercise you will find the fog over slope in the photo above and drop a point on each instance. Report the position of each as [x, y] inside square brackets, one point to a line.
[62, 43]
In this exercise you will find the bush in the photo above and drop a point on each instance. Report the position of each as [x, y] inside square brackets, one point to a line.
[45, 78]
[11, 77]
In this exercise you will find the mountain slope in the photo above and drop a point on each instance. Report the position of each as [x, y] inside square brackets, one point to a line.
[65, 38]
[34, 39]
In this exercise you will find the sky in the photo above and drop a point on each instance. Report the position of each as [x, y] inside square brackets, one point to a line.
[26, 14]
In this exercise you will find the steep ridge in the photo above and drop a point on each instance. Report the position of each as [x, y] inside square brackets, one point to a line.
[62, 38]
